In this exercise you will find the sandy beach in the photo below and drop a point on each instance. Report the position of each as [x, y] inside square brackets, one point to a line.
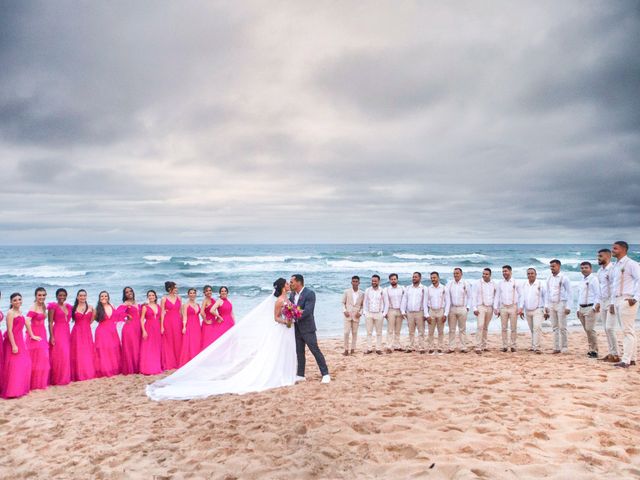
[463, 416]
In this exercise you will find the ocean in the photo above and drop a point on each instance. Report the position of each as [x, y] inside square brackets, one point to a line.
[249, 270]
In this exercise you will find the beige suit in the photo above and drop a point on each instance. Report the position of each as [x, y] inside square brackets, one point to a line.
[354, 310]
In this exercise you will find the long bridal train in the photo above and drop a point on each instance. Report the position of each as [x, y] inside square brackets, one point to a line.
[256, 354]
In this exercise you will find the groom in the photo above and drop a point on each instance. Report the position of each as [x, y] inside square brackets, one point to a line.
[305, 328]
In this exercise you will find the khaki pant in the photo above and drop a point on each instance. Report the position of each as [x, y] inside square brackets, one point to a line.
[351, 325]
[374, 320]
[627, 316]
[484, 317]
[588, 320]
[416, 320]
[458, 317]
[534, 319]
[559, 325]
[394, 325]
[509, 318]
[610, 323]
[437, 321]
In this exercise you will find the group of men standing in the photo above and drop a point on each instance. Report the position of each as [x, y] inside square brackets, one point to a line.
[612, 294]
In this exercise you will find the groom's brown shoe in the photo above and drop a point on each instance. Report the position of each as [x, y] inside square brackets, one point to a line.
[345, 353]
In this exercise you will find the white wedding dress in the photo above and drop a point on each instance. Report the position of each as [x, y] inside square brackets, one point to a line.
[256, 354]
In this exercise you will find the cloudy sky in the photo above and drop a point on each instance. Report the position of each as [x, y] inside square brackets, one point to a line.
[260, 122]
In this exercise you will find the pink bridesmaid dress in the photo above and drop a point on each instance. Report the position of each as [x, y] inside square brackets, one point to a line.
[150, 348]
[108, 351]
[39, 352]
[1, 349]
[82, 349]
[131, 337]
[191, 341]
[172, 337]
[208, 329]
[16, 378]
[224, 311]
[60, 353]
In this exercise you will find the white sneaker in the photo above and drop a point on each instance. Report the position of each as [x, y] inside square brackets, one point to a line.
[326, 379]
[300, 379]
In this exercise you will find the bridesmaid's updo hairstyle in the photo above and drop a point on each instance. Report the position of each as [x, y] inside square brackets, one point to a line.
[75, 304]
[168, 286]
[223, 288]
[278, 286]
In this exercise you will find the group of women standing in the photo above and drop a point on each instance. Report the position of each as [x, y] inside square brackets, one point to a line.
[41, 348]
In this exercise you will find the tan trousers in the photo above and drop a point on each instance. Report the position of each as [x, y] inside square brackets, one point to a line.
[534, 319]
[484, 317]
[394, 325]
[559, 324]
[627, 316]
[416, 320]
[610, 323]
[509, 318]
[437, 321]
[588, 322]
[374, 321]
[351, 325]
[458, 318]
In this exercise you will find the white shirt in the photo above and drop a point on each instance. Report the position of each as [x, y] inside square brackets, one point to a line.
[436, 298]
[375, 301]
[627, 283]
[354, 295]
[395, 296]
[589, 291]
[604, 278]
[534, 295]
[413, 300]
[558, 289]
[296, 297]
[459, 294]
[508, 293]
[484, 293]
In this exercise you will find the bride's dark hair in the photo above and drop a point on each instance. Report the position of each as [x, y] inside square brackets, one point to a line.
[279, 286]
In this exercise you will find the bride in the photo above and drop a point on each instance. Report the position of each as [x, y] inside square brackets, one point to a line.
[258, 353]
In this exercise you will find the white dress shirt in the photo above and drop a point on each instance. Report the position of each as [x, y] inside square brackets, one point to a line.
[354, 295]
[436, 298]
[534, 296]
[375, 301]
[395, 296]
[508, 293]
[589, 291]
[413, 300]
[558, 289]
[627, 283]
[459, 294]
[484, 294]
[296, 297]
[604, 278]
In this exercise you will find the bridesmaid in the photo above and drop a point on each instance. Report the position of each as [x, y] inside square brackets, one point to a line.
[82, 349]
[108, 353]
[223, 311]
[17, 361]
[129, 313]
[171, 326]
[39, 349]
[1, 342]
[60, 339]
[208, 318]
[191, 338]
[150, 347]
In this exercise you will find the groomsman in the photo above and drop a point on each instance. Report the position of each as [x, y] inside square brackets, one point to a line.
[532, 302]
[352, 301]
[483, 297]
[609, 320]
[588, 298]
[625, 294]
[506, 305]
[395, 295]
[375, 307]
[557, 306]
[437, 309]
[413, 305]
[459, 300]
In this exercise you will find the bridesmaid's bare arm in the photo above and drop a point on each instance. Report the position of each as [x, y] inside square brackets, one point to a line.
[202, 310]
[12, 340]
[184, 318]
[162, 302]
[52, 340]
[27, 322]
[142, 317]
[214, 310]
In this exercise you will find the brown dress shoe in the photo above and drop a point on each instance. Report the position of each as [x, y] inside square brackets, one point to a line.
[513, 349]
[379, 352]
[614, 359]
[555, 352]
[422, 352]
[352, 351]
[388, 350]
[479, 352]
[368, 352]
[605, 358]
[632, 363]
[345, 353]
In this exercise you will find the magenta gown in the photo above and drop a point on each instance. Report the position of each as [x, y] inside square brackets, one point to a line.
[82, 349]
[1, 349]
[208, 330]
[131, 337]
[150, 347]
[60, 353]
[191, 341]
[39, 352]
[227, 320]
[108, 351]
[16, 379]
[172, 337]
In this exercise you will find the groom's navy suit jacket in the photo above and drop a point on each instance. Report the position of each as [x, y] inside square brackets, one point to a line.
[307, 302]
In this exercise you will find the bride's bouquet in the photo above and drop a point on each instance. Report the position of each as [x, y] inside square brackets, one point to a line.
[291, 313]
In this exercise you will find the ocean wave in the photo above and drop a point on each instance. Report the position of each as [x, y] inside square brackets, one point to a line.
[157, 258]
[257, 258]
[46, 271]
[413, 256]
[565, 261]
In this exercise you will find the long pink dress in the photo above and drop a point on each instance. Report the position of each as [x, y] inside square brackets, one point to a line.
[60, 353]
[151, 347]
[16, 379]
[39, 352]
[131, 337]
[82, 348]
[108, 351]
[172, 337]
[1, 349]
[208, 329]
[227, 320]
[191, 341]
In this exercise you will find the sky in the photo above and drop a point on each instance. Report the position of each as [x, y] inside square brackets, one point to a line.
[158, 122]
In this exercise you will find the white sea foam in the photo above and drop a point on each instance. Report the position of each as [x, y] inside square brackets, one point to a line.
[565, 261]
[256, 259]
[46, 271]
[158, 258]
[413, 256]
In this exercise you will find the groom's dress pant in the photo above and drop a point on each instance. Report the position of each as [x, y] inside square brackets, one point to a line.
[309, 339]
[374, 320]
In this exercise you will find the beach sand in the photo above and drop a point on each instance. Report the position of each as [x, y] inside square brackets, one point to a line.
[463, 416]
